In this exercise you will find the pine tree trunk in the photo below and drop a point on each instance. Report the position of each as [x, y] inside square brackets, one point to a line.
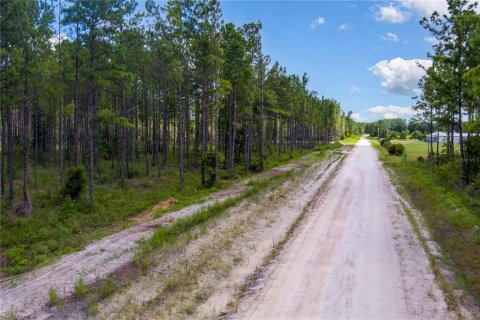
[165, 128]
[10, 152]
[145, 143]
[76, 106]
[27, 209]
[262, 124]
[4, 149]
[204, 131]
[180, 137]
[123, 131]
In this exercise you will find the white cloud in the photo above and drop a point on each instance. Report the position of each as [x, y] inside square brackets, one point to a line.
[392, 112]
[317, 22]
[56, 39]
[354, 89]
[431, 40]
[399, 75]
[390, 14]
[390, 36]
[357, 117]
[344, 26]
[425, 8]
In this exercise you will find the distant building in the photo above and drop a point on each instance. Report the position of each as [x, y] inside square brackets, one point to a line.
[441, 137]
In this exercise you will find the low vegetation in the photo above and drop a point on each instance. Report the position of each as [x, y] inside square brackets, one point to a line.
[62, 225]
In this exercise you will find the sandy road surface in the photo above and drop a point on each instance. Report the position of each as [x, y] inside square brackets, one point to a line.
[27, 294]
[354, 256]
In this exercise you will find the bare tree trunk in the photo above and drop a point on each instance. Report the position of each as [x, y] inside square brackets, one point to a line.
[123, 132]
[90, 128]
[197, 132]
[76, 106]
[165, 127]
[204, 131]
[10, 152]
[145, 144]
[26, 142]
[4, 149]
[262, 125]
[231, 136]
[36, 151]
[217, 130]
[180, 137]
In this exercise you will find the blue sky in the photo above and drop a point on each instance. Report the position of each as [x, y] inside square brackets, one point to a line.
[358, 52]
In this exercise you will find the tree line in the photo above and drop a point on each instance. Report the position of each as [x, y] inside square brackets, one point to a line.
[450, 98]
[84, 82]
[398, 129]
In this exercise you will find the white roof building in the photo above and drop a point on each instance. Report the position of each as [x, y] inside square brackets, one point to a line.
[441, 137]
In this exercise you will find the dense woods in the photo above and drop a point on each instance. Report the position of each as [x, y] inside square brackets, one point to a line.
[126, 91]
[450, 99]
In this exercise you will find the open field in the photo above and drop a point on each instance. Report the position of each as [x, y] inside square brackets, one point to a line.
[413, 148]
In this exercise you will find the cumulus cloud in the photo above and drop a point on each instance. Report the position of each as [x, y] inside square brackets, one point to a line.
[392, 112]
[425, 8]
[399, 75]
[354, 89]
[317, 22]
[344, 26]
[357, 117]
[390, 14]
[390, 36]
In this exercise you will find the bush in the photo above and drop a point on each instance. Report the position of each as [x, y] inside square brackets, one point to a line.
[421, 159]
[387, 144]
[396, 149]
[399, 149]
[75, 182]
[383, 141]
[417, 135]
[391, 148]
[52, 297]
[107, 288]
[79, 288]
[209, 162]
[255, 165]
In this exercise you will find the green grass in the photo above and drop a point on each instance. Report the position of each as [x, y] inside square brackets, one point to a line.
[451, 212]
[413, 148]
[352, 140]
[64, 226]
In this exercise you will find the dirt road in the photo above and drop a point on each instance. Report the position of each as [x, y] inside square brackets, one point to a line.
[354, 256]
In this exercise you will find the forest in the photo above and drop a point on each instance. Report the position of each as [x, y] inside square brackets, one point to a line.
[109, 106]
[90, 82]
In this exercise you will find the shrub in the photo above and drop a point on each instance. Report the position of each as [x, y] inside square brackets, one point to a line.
[80, 289]
[391, 148]
[107, 288]
[399, 149]
[421, 159]
[387, 144]
[210, 167]
[52, 296]
[417, 135]
[75, 182]
[255, 165]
